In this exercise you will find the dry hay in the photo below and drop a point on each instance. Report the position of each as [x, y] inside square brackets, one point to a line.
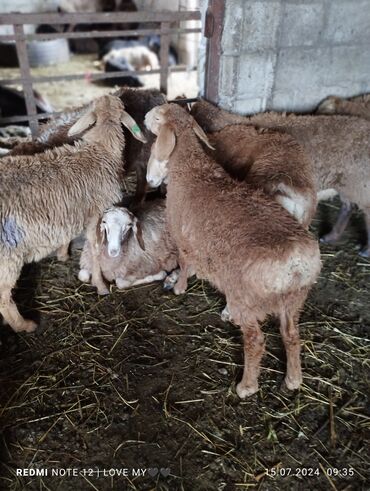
[142, 378]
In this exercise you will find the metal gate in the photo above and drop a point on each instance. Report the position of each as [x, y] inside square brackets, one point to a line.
[168, 22]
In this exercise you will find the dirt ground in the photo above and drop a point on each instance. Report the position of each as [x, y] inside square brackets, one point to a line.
[142, 379]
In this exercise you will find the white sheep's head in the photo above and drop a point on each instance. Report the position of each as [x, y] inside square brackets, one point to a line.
[106, 107]
[162, 121]
[115, 227]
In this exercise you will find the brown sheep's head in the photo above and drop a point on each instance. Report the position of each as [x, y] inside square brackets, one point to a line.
[167, 122]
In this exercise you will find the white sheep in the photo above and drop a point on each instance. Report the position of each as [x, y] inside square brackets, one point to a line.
[133, 250]
[48, 199]
[139, 57]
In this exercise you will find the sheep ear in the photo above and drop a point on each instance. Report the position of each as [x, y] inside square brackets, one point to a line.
[133, 127]
[100, 233]
[136, 227]
[83, 123]
[165, 143]
[201, 134]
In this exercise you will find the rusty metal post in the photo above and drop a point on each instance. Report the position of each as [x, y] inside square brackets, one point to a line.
[24, 68]
[213, 28]
[163, 56]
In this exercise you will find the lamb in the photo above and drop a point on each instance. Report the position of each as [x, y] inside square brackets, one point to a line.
[140, 57]
[356, 106]
[234, 236]
[338, 147]
[137, 103]
[48, 199]
[133, 250]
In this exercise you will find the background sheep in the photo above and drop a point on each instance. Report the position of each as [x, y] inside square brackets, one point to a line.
[338, 147]
[48, 199]
[140, 57]
[271, 161]
[234, 236]
[133, 250]
[356, 106]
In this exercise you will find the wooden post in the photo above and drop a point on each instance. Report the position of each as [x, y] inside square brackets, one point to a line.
[24, 68]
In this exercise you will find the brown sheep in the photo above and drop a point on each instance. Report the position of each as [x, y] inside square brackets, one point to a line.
[233, 235]
[338, 147]
[356, 106]
[271, 161]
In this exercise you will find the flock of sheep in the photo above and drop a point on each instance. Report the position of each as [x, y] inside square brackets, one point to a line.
[240, 195]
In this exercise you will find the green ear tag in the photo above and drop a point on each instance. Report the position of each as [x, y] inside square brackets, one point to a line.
[136, 129]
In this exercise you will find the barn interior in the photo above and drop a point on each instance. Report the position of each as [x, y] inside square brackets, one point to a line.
[136, 389]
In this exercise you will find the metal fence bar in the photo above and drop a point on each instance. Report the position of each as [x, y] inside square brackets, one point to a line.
[165, 19]
[97, 34]
[24, 67]
[90, 75]
[163, 56]
[19, 119]
[99, 17]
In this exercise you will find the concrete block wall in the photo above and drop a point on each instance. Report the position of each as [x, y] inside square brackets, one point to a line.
[290, 54]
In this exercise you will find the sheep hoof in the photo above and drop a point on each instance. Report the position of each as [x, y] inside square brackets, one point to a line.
[122, 284]
[103, 291]
[26, 326]
[63, 257]
[84, 276]
[225, 315]
[171, 279]
[293, 384]
[178, 290]
[167, 285]
[245, 391]
[365, 252]
[329, 239]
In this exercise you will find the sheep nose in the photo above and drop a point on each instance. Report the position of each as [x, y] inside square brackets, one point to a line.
[152, 183]
[113, 252]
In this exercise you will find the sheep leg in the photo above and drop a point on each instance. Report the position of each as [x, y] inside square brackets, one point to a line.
[290, 334]
[141, 186]
[171, 279]
[225, 314]
[96, 275]
[182, 281]
[122, 284]
[150, 278]
[254, 347]
[342, 221]
[10, 312]
[365, 252]
[63, 253]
